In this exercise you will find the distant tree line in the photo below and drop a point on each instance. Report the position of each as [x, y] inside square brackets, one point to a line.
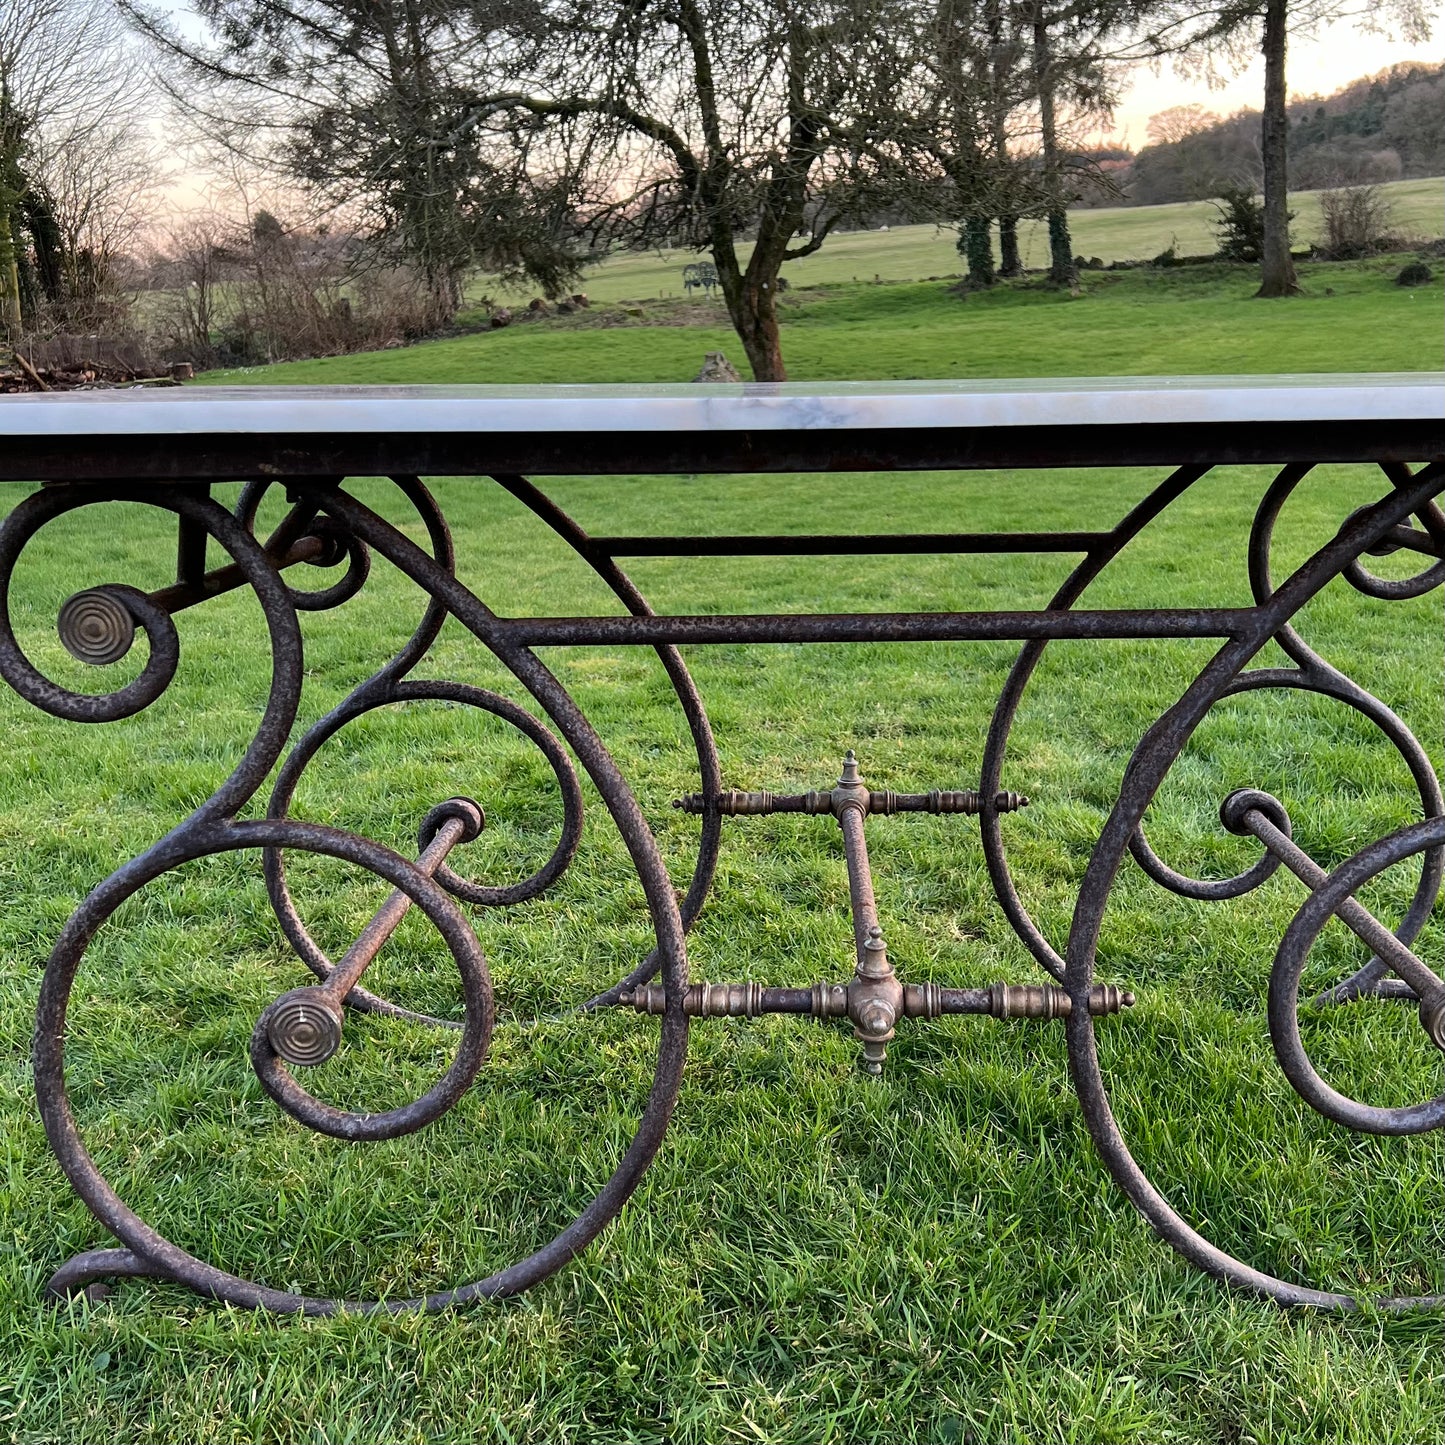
[1378, 129]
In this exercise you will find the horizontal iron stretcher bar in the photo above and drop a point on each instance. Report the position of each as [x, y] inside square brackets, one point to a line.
[900, 544]
[1123, 625]
[651, 631]
[920, 1000]
[857, 544]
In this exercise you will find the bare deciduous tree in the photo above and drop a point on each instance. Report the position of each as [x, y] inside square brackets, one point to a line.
[64, 76]
[368, 105]
[101, 183]
[1178, 123]
[1195, 155]
[191, 272]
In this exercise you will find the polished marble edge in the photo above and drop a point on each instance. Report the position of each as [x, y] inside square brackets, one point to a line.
[780, 407]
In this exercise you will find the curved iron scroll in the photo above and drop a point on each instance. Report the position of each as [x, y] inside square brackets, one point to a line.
[1151, 761]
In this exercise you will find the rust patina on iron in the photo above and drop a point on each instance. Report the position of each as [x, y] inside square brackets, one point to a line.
[165, 452]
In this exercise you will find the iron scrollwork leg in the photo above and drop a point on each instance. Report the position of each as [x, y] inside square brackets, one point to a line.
[1254, 813]
[1333, 895]
[438, 582]
[304, 1026]
[389, 685]
[1311, 673]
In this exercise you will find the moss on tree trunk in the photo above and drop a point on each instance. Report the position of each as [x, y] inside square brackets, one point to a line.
[1061, 246]
[9, 273]
[1010, 262]
[977, 247]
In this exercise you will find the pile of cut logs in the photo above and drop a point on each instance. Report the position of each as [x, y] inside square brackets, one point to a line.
[18, 373]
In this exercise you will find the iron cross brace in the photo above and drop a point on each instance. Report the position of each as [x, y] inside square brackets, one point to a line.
[874, 999]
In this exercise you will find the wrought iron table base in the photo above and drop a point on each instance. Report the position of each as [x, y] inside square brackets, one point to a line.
[326, 525]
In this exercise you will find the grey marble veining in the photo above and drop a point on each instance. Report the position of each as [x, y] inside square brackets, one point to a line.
[750, 407]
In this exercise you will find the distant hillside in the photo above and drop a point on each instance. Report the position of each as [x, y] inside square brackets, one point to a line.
[1382, 127]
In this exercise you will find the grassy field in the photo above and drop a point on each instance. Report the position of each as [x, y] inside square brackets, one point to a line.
[1192, 319]
[913, 253]
[814, 1256]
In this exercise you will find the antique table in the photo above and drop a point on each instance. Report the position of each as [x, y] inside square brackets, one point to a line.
[166, 449]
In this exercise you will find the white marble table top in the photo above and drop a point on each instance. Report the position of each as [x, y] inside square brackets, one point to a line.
[751, 407]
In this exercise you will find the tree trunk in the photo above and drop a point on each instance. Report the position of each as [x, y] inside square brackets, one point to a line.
[977, 248]
[49, 249]
[1277, 276]
[1062, 271]
[1061, 246]
[753, 309]
[1010, 262]
[443, 296]
[10, 318]
[1002, 80]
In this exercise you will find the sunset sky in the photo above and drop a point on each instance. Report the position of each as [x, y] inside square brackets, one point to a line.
[1339, 54]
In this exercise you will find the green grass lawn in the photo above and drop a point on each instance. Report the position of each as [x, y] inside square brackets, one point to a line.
[1189, 320]
[814, 1256]
[913, 253]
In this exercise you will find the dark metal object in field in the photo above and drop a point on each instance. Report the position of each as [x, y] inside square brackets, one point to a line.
[699, 273]
[310, 441]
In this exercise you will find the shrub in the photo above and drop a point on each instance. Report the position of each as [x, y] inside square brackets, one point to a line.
[1417, 273]
[232, 294]
[1240, 226]
[1356, 221]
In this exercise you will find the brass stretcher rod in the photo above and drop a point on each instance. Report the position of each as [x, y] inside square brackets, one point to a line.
[305, 1025]
[1429, 989]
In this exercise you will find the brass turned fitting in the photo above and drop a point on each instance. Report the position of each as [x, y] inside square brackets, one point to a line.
[1044, 1001]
